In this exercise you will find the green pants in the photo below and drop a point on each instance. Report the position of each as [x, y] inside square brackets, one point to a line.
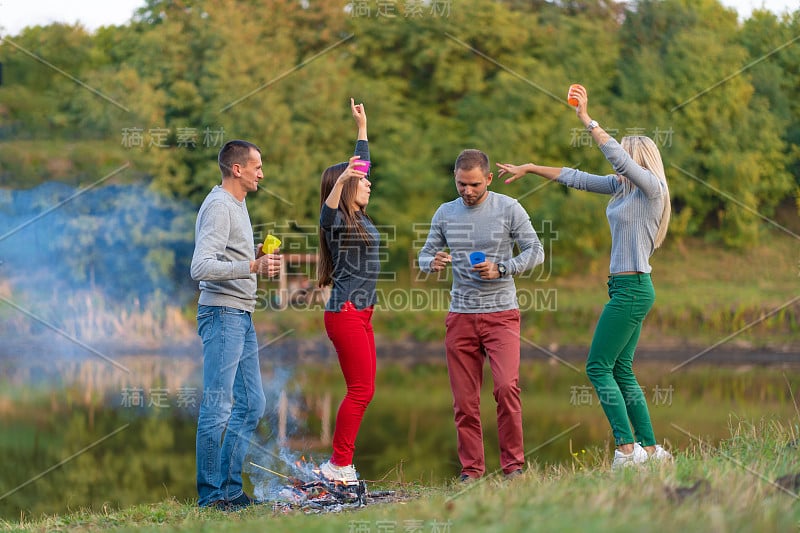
[610, 362]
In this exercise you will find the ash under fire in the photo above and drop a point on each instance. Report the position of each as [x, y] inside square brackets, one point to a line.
[309, 491]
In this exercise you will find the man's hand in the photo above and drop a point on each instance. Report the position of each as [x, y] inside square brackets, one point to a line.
[487, 270]
[440, 261]
[269, 264]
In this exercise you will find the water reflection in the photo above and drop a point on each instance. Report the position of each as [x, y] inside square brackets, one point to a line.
[85, 434]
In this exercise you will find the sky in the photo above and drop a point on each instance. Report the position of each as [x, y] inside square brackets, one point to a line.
[17, 14]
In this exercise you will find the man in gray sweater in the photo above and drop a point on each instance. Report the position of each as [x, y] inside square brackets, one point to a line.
[225, 264]
[484, 320]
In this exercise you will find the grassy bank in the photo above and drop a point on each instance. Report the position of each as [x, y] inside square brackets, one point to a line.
[739, 485]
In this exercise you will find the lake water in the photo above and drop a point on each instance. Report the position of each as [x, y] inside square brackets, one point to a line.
[77, 434]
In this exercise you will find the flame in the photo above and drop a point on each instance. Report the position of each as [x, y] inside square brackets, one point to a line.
[310, 486]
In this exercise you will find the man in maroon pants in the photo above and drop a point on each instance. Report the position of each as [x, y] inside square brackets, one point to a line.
[480, 228]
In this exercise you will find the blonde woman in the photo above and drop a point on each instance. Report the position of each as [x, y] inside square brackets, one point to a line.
[638, 214]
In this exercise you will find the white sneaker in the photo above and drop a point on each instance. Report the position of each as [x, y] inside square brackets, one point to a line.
[343, 474]
[660, 455]
[636, 457]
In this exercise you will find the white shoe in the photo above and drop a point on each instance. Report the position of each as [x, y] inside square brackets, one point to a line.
[343, 474]
[660, 455]
[636, 457]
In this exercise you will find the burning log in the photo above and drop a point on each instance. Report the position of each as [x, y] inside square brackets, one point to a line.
[317, 494]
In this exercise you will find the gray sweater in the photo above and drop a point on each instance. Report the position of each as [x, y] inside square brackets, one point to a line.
[223, 250]
[492, 227]
[634, 217]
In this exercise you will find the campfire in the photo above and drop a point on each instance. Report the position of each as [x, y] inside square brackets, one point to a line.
[311, 492]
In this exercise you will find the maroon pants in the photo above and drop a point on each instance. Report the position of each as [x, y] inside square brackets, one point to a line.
[470, 338]
[350, 330]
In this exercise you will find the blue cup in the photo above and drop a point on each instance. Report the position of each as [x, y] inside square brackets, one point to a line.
[476, 257]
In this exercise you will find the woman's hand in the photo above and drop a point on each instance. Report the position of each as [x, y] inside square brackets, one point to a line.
[359, 114]
[582, 109]
[599, 135]
[350, 172]
[514, 172]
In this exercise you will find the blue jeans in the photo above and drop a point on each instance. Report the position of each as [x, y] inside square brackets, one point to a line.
[233, 401]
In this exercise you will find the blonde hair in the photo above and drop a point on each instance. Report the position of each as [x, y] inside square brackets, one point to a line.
[644, 153]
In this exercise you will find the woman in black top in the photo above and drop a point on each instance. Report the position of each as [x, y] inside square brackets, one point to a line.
[349, 261]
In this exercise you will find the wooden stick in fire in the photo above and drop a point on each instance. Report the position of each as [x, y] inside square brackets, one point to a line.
[268, 470]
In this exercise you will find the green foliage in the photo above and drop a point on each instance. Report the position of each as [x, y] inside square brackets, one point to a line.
[482, 73]
[726, 161]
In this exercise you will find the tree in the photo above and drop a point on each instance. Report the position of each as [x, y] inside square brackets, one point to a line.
[715, 164]
[774, 50]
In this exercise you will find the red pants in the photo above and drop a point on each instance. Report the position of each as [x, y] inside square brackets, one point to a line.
[350, 330]
[470, 338]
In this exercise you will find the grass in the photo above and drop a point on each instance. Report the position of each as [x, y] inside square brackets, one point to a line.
[730, 487]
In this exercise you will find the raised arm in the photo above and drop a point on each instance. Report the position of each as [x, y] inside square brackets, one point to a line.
[349, 173]
[599, 135]
[360, 116]
[361, 152]
[623, 163]
[362, 144]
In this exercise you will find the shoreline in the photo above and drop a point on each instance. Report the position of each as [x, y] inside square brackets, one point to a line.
[320, 350]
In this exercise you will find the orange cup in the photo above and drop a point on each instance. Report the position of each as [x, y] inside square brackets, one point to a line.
[570, 99]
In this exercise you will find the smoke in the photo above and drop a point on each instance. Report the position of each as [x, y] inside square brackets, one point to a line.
[123, 240]
[85, 275]
[285, 416]
[86, 261]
